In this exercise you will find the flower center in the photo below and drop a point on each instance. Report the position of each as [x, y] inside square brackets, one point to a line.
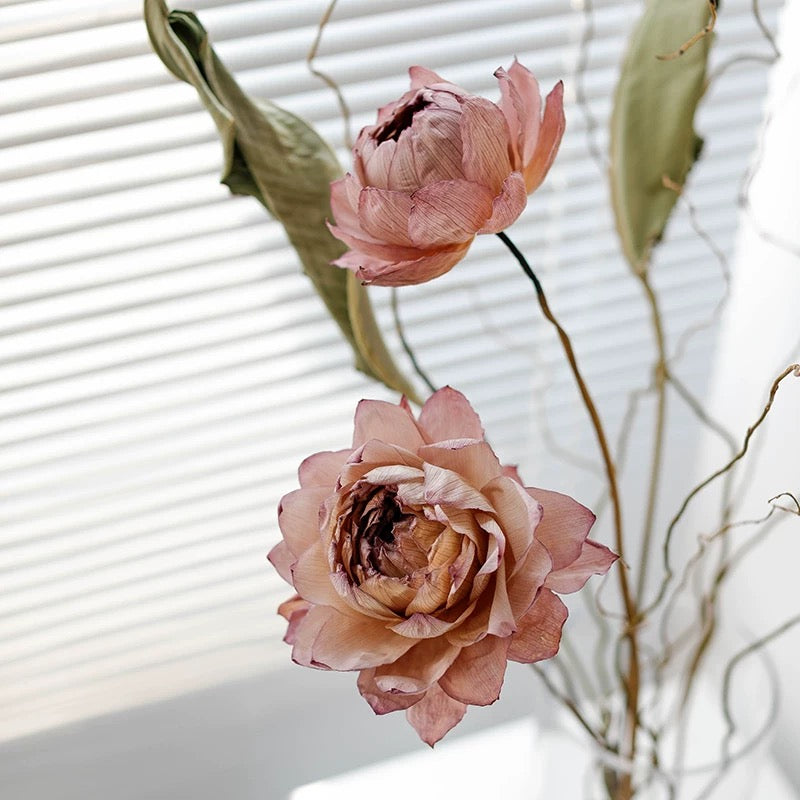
[401, 120]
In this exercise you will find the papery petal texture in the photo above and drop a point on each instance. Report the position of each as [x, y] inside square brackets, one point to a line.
[439, 166]
[420, 561]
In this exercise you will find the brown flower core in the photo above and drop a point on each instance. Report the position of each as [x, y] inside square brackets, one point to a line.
[376, 535]
[401, 120]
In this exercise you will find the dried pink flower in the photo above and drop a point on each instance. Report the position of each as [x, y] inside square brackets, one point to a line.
[438, 167]
[423, 563]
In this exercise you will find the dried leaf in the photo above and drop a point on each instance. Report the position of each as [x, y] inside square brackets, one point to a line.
[652, 123]
[280, 160]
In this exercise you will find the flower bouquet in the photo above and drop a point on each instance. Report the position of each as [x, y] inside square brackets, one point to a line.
[415, 557]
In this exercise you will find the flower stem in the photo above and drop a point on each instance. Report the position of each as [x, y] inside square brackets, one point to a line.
[624, 789]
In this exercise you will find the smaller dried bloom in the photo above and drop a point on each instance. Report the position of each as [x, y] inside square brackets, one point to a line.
[424, 564]
[440, 166]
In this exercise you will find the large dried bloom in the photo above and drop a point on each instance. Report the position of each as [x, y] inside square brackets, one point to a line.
[423, 563]
[438, 167]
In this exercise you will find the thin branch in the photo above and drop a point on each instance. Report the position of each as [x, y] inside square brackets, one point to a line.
[398, 324]
[764, 29]
[327, 79]
[632, 682]
[668, 572]
[693, 40]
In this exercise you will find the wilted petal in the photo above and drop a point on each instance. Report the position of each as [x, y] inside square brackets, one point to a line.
[403, 174]
[437, 146]
[422, 76]
[528, 578]
[376, 419]
[282, 559]
[384, 214]
[518, 514]
[539, 633]
[448, 211]
[410, 272]
[476, 676]
[595, 559]
[322, 469]
[550, 134]
[527, 88]
[293, 611]
[365, 245]
[434, 715]
[377, 164]
[485, 144]
[447, 488]
[418, 668]
[311, 578]
[508, 205]
[298, 518]
[564, 526]
[305, 634]
[421, 626]
[345, 643]
[383, 702]
[475, 462]
[447, 414]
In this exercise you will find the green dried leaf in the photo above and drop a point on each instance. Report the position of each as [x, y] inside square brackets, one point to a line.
[280, 160]
[652, 123]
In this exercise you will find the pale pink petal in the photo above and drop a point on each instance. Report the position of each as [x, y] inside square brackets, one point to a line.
[511, 106]
[501, 617]
[344, 204]
[550, 134]
[384, 215]
[418, 668]
[422, 76]
[322, 469]
[434, 715]
[530, 109]
[358, 262]
[485, 144]
[448, 212]
[447, 414]
[421, 626]
[403, 175]
[345, 643]
[517, 513]
[387, 422]
[282, 559]
[511, 471]
[539, 633]
[595, 559]
[377, 163]
[407, 273]
[508, 205]
[528, 578]
[305, 634]
[311, 578]
[447, 488]
[437, 145]
[294, 611]
[564, 527]
[367, 246]
[383, 702]
[474, 461]
[299, 518]
[476, 676]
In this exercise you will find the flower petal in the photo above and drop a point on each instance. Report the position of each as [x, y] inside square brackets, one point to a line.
[384, 214]
[345, 643]
[550, 134]
[434, 715]
[418, 668]
[595, 559]
[529, 110]
[447, 414]
[282, 559]
[508, 205]
[344, 204]
[387, 422]
[484, 143]
[322, 469]
[449, 212]
[437, 145]
[299, 518]
[476, 676]
[564, 526]
[474, 461]
[422, 76]
[539, 633]
[383, 702]
[405, 273]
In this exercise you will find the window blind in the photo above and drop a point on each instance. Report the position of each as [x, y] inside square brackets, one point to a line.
[164, 366]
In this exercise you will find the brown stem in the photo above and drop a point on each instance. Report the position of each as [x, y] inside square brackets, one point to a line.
[624, 788]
